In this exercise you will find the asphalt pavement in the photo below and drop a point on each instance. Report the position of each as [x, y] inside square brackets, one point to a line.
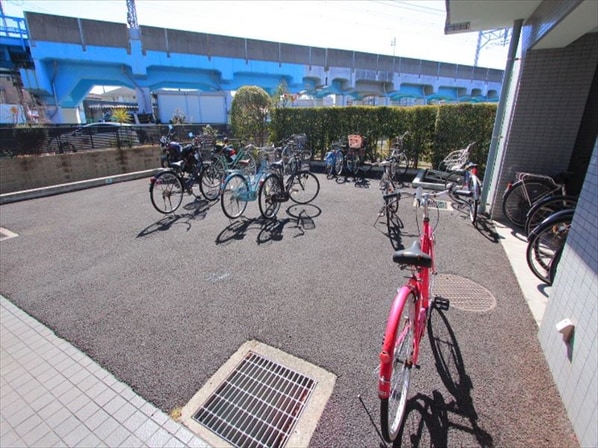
[161, 302]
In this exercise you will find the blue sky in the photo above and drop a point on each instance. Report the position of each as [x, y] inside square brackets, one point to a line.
[416, 27]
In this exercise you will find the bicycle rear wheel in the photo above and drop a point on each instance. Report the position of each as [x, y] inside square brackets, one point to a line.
[392, 409]
[166, 192]
[545, 241]
[269, 190]
[210, 180]
[543, 208]
[303, 187]
[518, 199]
[235, 193]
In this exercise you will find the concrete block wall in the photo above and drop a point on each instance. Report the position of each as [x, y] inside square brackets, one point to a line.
[25, 173]
[574, 295]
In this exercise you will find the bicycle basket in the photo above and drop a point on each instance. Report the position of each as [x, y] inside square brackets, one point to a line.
[455, 160]
[355, 141]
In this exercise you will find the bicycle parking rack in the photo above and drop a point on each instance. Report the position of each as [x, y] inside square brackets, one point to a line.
[430, 179]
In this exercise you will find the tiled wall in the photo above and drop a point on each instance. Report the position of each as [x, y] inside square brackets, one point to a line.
[552, 92]
[544, 19]
[574, 295]
[544, 120]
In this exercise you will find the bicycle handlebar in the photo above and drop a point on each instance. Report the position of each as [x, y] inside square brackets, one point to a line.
[422, 196]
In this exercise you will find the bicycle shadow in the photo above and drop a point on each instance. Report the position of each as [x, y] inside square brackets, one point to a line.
[394, 230]
[482, 224]
[195, 210]
[430, 419]
[299, 219]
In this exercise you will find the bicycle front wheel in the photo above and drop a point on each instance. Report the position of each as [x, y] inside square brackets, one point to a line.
[474, 202]
[235, 193]
[338, 163]
[267, 196]
[303, 187]
[545, 241]
[542, 209]
[399, 166]
[166, 192]
[392, 409]
[518, 200]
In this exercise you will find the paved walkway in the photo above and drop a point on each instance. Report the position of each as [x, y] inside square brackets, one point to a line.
[52, 394]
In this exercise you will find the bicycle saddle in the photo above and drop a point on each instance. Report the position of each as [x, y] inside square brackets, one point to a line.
[413, 256]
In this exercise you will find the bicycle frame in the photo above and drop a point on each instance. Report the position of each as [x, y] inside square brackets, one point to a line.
[419, 258]
[419, 284]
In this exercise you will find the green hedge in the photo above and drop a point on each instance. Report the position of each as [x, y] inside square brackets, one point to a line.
[434, 131]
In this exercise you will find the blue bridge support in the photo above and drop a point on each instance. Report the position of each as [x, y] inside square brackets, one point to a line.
[62, 58]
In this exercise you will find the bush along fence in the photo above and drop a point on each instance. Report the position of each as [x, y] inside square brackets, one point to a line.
[434, 131]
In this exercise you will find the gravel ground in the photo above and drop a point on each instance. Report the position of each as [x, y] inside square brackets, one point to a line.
[163, 302]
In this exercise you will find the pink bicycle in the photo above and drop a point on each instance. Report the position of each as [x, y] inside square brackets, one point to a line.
[408, 317]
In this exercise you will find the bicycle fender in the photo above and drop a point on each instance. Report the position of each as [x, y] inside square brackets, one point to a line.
[386, 354]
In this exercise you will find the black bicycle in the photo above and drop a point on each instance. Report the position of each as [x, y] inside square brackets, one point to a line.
[301, 187]
[168, 187]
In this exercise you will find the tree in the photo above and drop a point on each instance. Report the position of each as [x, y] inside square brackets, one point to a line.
[120, 115]
[249, 114]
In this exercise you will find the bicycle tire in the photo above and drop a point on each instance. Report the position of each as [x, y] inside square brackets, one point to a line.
[515, 203]
[269, 189]
[193, 182]
[545, 241]
[392, 409]
[339, 163]
[399, 165]
[391, 205]
[303, 187]
[474, 202]
[210, 180]
[234, 197]
[365, 164]
[543, 208]
[554, 264]
[166, 192]
[250, 168]
[329, 170]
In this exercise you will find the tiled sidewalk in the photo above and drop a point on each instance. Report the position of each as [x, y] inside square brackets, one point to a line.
[52, 394]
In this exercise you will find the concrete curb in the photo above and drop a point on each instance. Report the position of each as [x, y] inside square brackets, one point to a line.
[73, 186]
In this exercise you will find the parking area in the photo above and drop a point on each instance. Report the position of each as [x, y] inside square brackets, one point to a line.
[162, 302]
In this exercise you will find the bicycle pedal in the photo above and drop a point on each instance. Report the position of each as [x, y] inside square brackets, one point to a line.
[440, 303]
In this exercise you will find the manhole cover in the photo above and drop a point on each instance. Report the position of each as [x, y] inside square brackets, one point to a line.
[463, 293]
[261, 397]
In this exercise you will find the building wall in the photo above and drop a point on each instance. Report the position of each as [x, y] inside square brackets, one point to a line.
[552, 92]
[543, 127]
[574, 295]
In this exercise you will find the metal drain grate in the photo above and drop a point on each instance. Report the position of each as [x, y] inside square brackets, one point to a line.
[258, 404]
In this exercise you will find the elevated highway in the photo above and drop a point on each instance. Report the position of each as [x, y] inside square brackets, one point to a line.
[61, 58]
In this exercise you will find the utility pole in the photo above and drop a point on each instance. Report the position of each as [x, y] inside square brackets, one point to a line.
[132, 15]
[491, 38]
